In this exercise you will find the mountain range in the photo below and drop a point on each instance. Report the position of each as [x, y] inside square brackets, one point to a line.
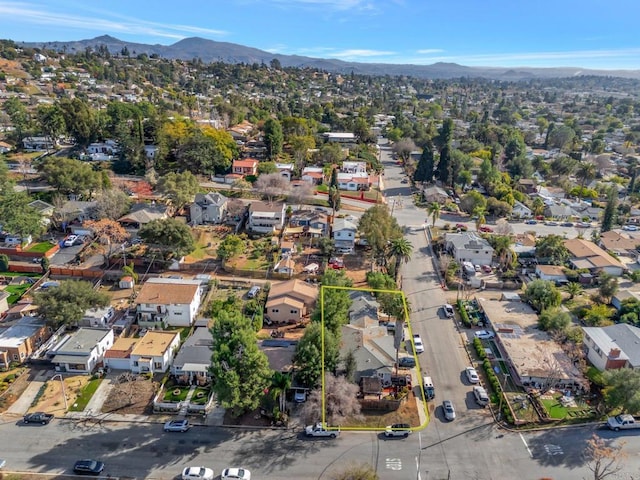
[213, 51]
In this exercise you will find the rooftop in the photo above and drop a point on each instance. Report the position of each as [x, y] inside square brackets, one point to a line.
[154, 343]
[15, 335]
[167, 291]
[623, 336]
[121, 348]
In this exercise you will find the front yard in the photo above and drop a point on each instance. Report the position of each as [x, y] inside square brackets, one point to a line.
[41, 247]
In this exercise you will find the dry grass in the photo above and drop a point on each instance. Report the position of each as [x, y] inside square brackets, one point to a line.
[51, 400]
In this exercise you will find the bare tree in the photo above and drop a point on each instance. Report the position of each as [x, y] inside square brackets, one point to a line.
[111, 204]
[503, 227]
[553, 373]
[235, 207]
[356, 472]
[300, 192]
[604, 459]
[341, 401]
[404, 147]
[271, 186]
[445, 262]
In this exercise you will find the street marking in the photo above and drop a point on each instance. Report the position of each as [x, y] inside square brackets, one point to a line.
[553, 449]
[418, 468]
[393, 464]
[525, 445]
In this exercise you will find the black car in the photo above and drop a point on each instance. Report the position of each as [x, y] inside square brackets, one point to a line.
[407, 362]
[37, 417]
[88, 467]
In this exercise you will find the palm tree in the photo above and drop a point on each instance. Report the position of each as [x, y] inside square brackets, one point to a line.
[573, 289]
[538, 206]
[479, 213]
[586, 171]
[503, 251]
[434, 211]
[280, 383]
[400, 249]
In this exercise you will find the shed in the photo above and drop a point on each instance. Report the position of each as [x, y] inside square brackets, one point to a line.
[126, 282]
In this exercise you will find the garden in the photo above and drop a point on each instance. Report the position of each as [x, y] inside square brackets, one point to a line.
[175, 393]
[565, 408]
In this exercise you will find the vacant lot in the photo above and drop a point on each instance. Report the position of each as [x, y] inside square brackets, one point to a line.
[131, 394]
[51, 399]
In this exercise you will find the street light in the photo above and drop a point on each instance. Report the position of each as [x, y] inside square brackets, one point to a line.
[64, 395]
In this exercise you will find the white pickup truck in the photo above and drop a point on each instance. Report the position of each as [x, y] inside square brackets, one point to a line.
[623, 422]
[318, 430]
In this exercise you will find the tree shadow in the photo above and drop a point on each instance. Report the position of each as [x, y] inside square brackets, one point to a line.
[557, 448]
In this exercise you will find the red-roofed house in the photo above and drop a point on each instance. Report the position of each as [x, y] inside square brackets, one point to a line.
[246, 166]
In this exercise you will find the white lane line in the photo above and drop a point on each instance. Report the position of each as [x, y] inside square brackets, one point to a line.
[525, 445]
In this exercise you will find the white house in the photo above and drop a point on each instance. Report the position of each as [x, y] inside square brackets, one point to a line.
[354, 181]
[37, 144]
[82, 350]
[285, 169]
[208, 208]
[339, 137]
[552, 273]
[344, 234]
[469, 247]
[520, 210]
[97, 317]
[168, 302]
[154, 352]
[118, 357]
[354, 167]
[150, 151]
[612, 347]
[265, 217]
[108, 148]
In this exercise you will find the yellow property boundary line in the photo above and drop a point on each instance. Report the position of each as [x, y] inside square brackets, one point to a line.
[419, 373]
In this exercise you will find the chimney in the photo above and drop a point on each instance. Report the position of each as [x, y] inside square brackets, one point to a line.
[614, 353]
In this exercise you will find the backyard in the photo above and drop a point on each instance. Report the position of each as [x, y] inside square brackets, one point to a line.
[560, 407]
[16, 284]
[40, 247]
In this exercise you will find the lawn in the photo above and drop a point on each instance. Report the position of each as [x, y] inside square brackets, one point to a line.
[41, 247]
[85, 395]
[557, 411]
[202, 399]
[170, 396]
[16, 291]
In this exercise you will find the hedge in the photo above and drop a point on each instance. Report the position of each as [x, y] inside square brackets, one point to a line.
[463, 314]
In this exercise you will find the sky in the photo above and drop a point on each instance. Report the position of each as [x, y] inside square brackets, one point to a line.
[599, 34]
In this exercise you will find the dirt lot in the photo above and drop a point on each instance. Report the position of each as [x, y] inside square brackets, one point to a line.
[14, 389]
[51, 400]
[131, 395]
[407, 413]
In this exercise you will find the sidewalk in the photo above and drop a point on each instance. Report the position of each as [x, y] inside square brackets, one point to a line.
[22, 405]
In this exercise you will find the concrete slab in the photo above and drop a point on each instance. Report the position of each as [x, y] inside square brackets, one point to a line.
[22, 405]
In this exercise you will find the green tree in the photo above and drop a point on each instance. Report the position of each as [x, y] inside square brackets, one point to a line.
[308, 355]
[267, 167]
[273, 137]
[554, 320]
[178, 188]
[350, 365]
[80, 119]
[170, 235]
[68, 302]
[231, 246]
[608, 286]
[400, 249]
[586, 172]
[542, 294]
[622, 389]
[335, 303]
[378, 227]
[503, 251]
[552, 249]
[19, 118]
[608, 217]
[433, 209]
[240, 369]
[4, 263]
[472, 200]
[424, 169]
[17, 216]
[334, 199]
[573, 289]
[68, 175]
[598, 315]
[51, 122]
[280, 384]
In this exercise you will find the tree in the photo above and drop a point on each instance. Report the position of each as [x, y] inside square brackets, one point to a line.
[17, 216]
[622, 389]
[4, 263]
[424, 169]
[554, 320]
[433, 209]
[586, 172]
[68, 175]
[271, 186]
[542, 294]
[334, 199]
[308, 355]
[178, 188]
[68, 302]
[51, 122]
[273, 137]
[80, 120]
[356, 472]
[573, 289]
[169, 234]
[400, 249]
[472, 200]
[552, 249]
[111, 204]
[108, 232]
[505, 254]
[300, 192]
[378, 227]
[334, 306]
[403, 148]
[479, 213]
[340, 401]
[598, 315]
[280, 384]
[604, 459]
[350, 365]
[608, 286]
[231, 246]
[608, 217]
[503, 227]
[130, 270]
[240, 369]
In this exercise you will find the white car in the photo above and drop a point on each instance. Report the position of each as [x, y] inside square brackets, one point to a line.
[449, 410]
[318, 430]
[197, 473]
[235, 474]
[484, 334]
[70, 240]
[417, 342]
[472, 375]
[177, 426]
[398, 430]
[630, 228]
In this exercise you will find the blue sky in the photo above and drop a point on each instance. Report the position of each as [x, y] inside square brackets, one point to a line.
[508, 33]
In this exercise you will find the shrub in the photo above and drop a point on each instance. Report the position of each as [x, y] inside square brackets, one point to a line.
[4, 263]
[463, 314]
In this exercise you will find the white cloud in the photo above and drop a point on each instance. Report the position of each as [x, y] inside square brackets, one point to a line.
[357, 53]
[429, 51]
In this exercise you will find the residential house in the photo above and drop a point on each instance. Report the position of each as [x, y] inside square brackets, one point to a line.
[620, 244]
[559, 212]
[285, 169]
[168, 302]
[343, 138]
[435, 194]
[43, 208]
[266, 217]
[290, 301]
[150, 151]
[81, 351]
[193, 361]
[118, 357]
[527, 186]
[358, 181]
[612, 347]
[5, 147]
[241, 132]
[344, 234]
[353, 167]
[143, 213]
[75, 211]
[469, 247]
[316, 223]
[208, 208]
[106, 150]
[586, 254]
[552, 273]
[154, 352]
[245, 166]
[286, 266]
[313, 175]
[38, 144]
[21, 340]
[520, 210]
[4, 302]
[97, 317]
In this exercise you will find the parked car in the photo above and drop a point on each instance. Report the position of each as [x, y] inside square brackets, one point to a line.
[177, 426]
[69, 241]
[567, 224]
[487, 268]
[38, 417]
[484, 334]
[235, 474]
[630, 228]
[88, 467]
[318, 430]
[583, 225]
[253, 292]
[448, 310]
[197, 473]
[407, 362]
[531, 222]
[404, 180]
[300, 397]
[398, 430]
[551, 223]
[480, 394]
[486, 229]
[336, 263]
[472, 375]
[449, 410]
[417, 342]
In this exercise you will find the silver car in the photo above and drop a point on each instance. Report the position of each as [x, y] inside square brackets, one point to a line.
[177, 426]
[449, 410]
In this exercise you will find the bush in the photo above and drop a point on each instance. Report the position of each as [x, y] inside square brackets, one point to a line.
[4, 263]
[463, 314]
[477, 344]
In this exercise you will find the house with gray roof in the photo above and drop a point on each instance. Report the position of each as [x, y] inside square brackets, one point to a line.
[208, 208]
[81, 351]
[469, 247]
[613, 347]
[344, 234]
[559, 212]
[143, 213]
[194, 357]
